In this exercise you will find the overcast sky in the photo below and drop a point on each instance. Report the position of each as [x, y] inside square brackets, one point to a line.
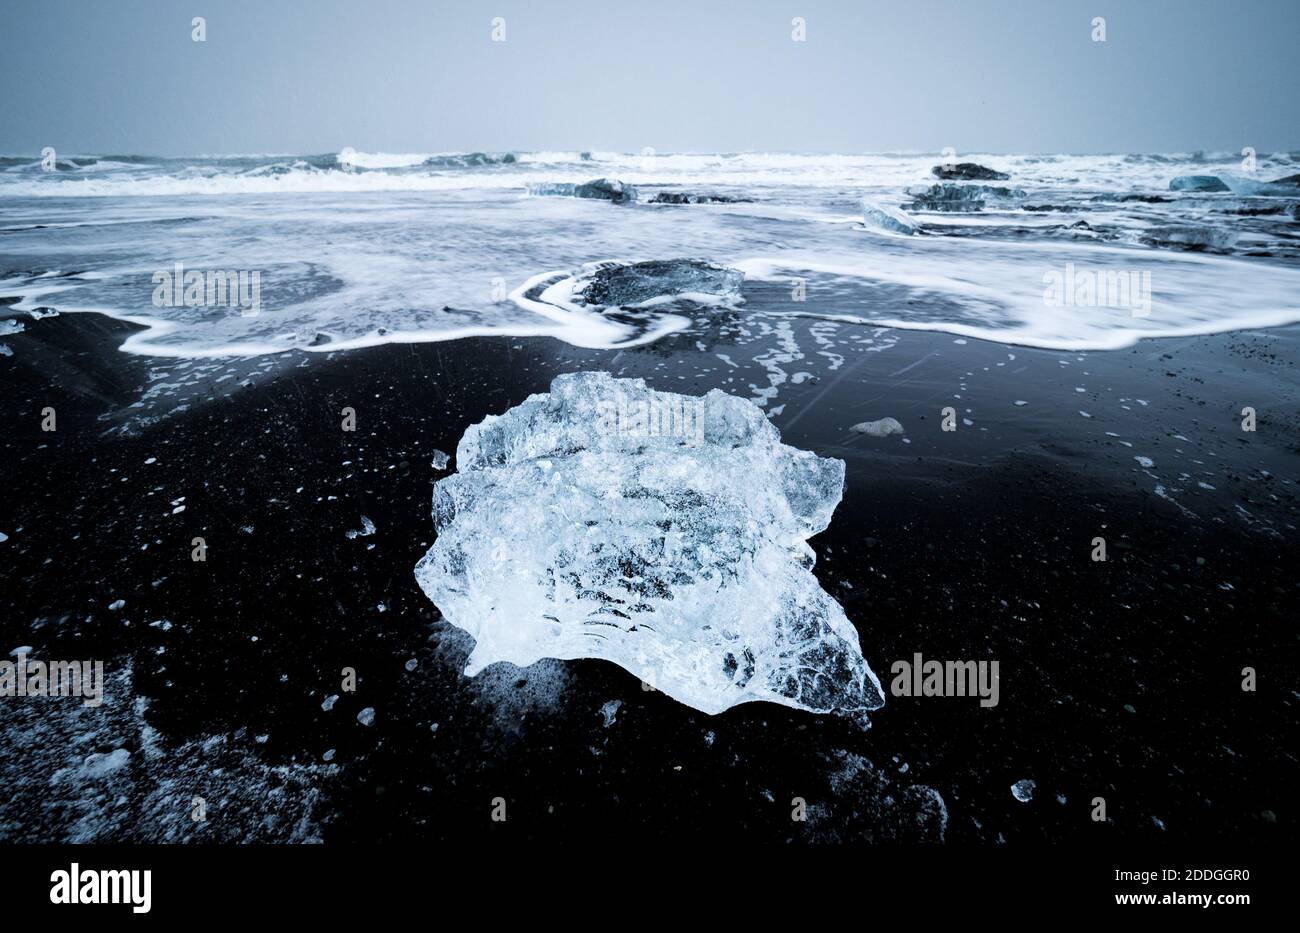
[309, 76]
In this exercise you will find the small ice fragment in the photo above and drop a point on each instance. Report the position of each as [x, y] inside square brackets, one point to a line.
[367, 716]
[1146, 462]
[116, 605]
[882, 428]
[329, 702]
[97, 764]
[440, 460]
[1084, 413]
[960, 342]
[412, 664]
[1023, 790]
[3, 537]
[610, 711]
[329, 754]
[150, 460]
[367, 528]
[1020, 402]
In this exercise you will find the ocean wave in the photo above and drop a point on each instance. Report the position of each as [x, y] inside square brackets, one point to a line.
[461, 249]
[361, 171]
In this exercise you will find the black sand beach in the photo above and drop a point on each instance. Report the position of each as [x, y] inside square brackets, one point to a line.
[1119, 679]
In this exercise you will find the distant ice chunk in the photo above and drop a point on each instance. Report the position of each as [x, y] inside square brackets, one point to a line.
[440, 460]
[968, 171]
[960, 198]
[1023, 790]
[883, 217]
[882, 428]
[1197, 183]
[692, 197]
[665, 533]
[604, 189]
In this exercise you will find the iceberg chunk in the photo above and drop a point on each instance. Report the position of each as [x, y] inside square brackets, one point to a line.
[665, 533]
[627, 285]
[950, 197]
[1197, 183]
[883, 217]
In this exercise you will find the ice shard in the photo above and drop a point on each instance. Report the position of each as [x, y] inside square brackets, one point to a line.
[665, 533]
[884, 217]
